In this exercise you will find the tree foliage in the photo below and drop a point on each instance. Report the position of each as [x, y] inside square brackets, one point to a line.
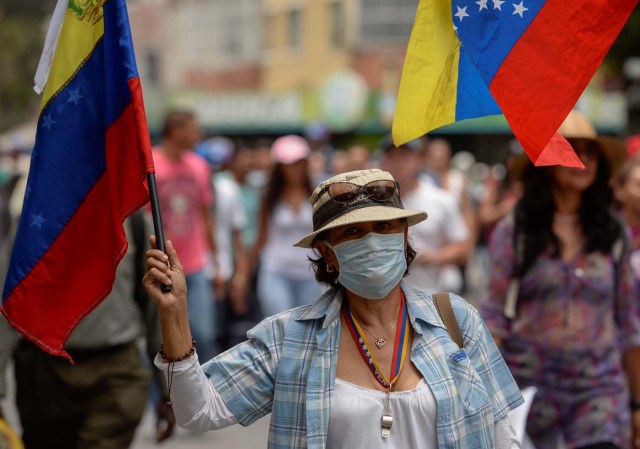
[627, 44]
[22, 30]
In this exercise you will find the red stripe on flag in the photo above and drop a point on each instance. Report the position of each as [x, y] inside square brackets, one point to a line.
[551, 64]
[142, 130]
[87, 251]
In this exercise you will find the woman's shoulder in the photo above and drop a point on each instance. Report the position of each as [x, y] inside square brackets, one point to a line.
[506, 224]
[467, 317]
[504, 231]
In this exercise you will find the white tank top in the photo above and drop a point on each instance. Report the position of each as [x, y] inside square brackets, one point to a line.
[286, 227]
[356, 413]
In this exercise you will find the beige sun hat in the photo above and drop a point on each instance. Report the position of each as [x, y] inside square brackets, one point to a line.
[578, 126]
[329, 213]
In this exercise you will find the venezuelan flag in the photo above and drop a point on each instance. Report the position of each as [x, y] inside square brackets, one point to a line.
[529, 60]
[88, 173]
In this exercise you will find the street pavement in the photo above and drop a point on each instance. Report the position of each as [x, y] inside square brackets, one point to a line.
[235, 437]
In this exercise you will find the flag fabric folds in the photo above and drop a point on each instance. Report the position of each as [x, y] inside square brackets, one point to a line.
[529, 60]
[88, 173]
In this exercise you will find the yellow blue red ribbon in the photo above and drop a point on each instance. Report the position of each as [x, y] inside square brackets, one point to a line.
[401, 342]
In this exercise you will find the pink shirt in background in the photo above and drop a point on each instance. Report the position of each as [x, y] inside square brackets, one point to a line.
[184, 188]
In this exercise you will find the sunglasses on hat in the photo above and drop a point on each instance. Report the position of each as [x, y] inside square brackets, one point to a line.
[346, 192]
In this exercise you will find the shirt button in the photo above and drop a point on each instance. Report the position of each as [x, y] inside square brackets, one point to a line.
[579, 272]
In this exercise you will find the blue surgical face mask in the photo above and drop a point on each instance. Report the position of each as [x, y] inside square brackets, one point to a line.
[372, 265]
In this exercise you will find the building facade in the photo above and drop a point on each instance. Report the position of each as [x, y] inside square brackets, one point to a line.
[260, 66]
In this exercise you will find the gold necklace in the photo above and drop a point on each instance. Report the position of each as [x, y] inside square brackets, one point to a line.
[380, 341]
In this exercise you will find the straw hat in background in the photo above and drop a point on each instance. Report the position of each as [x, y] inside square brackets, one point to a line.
[575, 127]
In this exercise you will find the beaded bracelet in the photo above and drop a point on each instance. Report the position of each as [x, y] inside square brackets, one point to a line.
[171, 365]
[192, 351]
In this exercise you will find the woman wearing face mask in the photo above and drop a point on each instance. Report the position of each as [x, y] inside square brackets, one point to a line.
[369, 365]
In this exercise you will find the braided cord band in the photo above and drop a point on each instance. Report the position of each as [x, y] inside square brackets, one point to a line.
[192, 351]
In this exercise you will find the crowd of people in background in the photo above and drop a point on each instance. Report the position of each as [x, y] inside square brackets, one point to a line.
[255, 206]
[234, 208]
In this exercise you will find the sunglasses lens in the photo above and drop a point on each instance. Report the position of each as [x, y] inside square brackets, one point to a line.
[343, 192]
[585, 147]
[380, 190]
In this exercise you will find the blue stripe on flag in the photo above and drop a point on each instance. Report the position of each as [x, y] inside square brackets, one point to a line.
[488, 34]
[69, 153]
[473, 97]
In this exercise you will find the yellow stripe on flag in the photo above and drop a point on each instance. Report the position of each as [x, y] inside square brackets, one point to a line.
[81, 30]
[428, 88]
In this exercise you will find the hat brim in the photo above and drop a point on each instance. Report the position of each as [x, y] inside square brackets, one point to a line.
[612, 149]
[615, 152]
[374, 213]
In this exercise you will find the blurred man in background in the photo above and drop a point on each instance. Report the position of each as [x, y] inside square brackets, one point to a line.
[440, 240]
[438, 162]
[98, 401]
[186, 201]
[231, 220]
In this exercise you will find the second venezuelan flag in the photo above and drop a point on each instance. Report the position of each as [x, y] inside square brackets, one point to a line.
[529, 60]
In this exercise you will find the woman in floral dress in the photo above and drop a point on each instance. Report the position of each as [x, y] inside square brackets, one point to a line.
[570, 326]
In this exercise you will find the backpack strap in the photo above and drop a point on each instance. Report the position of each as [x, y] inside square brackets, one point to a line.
[618, 251]
[513, 290]
[443, 306]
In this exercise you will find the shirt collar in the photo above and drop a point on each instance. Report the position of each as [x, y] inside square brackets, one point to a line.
[327, 307]
[420, 306]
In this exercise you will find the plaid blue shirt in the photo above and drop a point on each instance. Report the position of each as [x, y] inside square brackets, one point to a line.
[288, 368]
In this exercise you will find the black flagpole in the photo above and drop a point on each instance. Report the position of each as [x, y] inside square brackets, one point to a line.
[157, 218]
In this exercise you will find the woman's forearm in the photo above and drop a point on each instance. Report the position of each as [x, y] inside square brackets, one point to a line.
[631, 361]
[197, 405]
[176, 334]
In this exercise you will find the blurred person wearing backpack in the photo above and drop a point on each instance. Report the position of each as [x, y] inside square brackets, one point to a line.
[98, 401]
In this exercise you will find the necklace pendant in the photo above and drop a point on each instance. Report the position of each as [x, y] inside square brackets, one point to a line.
[380, 342]
[387, 422]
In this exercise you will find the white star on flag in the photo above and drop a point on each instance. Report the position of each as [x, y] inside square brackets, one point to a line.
[497, 4]
[462, 13]
[37, 220]
[48, 122]
[74, 96]
[519, 9]
[482, 4]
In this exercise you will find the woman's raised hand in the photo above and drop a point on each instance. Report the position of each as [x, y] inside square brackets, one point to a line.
[165, 269]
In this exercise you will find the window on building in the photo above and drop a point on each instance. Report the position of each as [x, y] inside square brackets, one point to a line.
[294, 29]
[269, 32]
[338, 24]
[152, 67]
[233, 36]
[386, 20]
